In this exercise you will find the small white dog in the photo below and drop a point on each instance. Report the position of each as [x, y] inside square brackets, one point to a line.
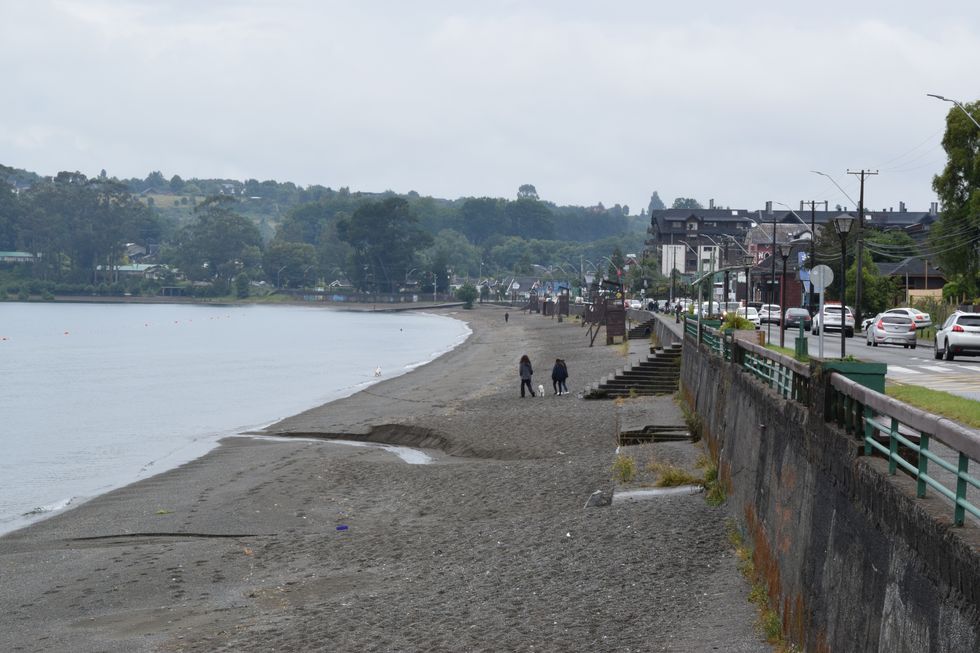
[540, 390]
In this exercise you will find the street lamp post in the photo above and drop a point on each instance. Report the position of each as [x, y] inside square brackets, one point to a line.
[842, 225]
[962, 108]
[279, 272]
[785, 249]
[747, 261]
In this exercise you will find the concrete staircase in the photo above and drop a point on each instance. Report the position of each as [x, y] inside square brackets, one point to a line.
[656, 375]
[642, 330]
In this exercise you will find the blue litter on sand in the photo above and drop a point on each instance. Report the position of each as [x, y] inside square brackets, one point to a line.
[342, 527]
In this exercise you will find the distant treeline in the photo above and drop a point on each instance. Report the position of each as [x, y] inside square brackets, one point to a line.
[81, 229]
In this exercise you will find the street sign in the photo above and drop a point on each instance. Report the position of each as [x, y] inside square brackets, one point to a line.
[821, 276]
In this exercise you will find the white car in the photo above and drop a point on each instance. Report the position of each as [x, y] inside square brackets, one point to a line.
[636, 304]
[830, 320]
[770, 313]
[959, 336]
[750, 314]
[922, 320]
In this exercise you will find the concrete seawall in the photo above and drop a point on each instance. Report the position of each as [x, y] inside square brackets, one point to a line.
[852, 560]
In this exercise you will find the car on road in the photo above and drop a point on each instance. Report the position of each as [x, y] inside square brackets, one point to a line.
[891, 329]
[959, 336]
[770, 313]
[922, 320]
[636, 304]
[796, 316]
[748, 313]
[829, 320]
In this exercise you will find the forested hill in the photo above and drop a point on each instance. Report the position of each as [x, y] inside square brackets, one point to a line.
[81, 223]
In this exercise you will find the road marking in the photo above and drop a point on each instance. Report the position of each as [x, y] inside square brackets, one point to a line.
[937, 368]
[969, 367]
[896, 368]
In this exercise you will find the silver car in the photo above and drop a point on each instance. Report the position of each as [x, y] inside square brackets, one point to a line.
[891, 329]
[959, 336]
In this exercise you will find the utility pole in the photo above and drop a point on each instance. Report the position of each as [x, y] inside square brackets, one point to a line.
[859, 285]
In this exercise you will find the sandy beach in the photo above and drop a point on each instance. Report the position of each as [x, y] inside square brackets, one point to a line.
[307, 545]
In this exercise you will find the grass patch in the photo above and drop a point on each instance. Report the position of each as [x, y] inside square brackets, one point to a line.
[624, 468]
[672, 476]
[714, 491]
[963, 410]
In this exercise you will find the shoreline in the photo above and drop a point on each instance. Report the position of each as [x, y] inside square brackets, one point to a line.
[163, 453]
[300, 545]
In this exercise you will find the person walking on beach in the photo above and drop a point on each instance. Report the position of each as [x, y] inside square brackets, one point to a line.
[506, 317]
[559, 373]
[526, 371]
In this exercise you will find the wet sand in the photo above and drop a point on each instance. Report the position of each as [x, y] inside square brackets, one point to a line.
[306, 545]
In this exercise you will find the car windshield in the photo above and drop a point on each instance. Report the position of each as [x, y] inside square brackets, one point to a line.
[969, 320]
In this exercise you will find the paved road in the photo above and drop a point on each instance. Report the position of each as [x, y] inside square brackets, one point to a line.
[913, 366]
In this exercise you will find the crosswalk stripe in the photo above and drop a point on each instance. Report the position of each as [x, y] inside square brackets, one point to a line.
[905, 370]
[937, 368]
[972, 368]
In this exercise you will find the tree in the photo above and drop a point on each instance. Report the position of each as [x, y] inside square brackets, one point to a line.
[218, 244]
[289, 264]
[656, 204]
[176, 184]
[956, 234]
[687, 203]
[527, 192]
[466, 294]
[384, 237]
[242, 283]
[479, 219]
[529, 218]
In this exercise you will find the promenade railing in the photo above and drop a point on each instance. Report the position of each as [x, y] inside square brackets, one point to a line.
[935, 451]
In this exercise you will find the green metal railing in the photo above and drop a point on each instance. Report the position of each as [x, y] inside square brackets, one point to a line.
[785, 375]
[910, 439]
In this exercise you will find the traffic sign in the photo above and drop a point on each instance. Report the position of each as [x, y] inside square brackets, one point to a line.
[821, 276]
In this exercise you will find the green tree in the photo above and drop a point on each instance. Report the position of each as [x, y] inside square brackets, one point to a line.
[686, 203]
[467, 294]
[656, 204]
[527, 192]
[218, 243]
[290, 265]
[384, 237]
[957, 232]
[480, 218]
[242, 285]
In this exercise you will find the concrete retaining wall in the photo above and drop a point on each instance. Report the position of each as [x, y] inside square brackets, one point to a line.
[853, 561]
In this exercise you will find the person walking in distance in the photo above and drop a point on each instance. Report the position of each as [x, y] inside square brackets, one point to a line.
[506, 318]
[526, 371]
[559, 373]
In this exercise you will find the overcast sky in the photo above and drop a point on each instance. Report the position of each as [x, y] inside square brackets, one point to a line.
[589, 101]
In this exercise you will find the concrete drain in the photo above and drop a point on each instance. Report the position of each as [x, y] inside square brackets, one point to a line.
[655, 433]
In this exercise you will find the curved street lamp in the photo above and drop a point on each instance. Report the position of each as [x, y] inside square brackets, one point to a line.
[962, 108]
[279, 272]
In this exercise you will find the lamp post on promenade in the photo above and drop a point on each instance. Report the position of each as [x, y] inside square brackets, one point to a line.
[842, 224]
[748, 260]
[785, 249]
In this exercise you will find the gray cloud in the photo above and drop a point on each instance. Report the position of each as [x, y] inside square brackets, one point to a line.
[589, 103]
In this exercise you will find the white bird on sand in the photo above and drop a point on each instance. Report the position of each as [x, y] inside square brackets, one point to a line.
[377, 371]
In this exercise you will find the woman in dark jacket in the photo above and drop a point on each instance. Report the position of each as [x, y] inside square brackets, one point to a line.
[526, 371]
[558, 375]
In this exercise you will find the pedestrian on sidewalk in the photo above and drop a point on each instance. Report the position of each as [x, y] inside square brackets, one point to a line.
[506, 317]
[526, 371]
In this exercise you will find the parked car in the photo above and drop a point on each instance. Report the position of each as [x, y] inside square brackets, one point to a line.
[636, 304]
[866, 322]
[892, 329]
[796, 316]
[959, 336]
[922, 320]
[755, 305]
[829, 320]
[770, 313]
[727, 307]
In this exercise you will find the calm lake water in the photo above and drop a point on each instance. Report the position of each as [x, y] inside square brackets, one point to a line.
[95, 396]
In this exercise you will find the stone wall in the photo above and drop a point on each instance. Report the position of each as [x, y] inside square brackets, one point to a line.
[851, 558]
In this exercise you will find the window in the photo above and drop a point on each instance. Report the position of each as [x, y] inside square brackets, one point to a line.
[692, 226]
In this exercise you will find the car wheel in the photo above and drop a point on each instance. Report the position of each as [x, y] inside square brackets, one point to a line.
[867, 342]
[912, 345]
[875, 343]
[849, 333]
[949, 352]
[938, 351]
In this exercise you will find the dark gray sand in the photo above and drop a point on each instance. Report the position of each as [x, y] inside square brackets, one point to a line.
[490, 548]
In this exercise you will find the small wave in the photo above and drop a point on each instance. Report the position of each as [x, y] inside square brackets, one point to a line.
[52, 507]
